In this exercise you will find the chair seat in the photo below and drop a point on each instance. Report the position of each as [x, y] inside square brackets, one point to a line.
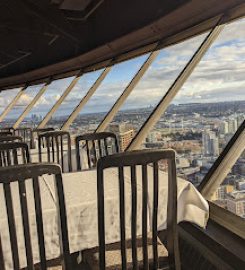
[113, 255]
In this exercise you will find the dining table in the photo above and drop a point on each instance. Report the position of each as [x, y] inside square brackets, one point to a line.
[80, 190]
[34, 154]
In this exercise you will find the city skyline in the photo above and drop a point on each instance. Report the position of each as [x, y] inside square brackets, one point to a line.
[197, 132]
[125, 110]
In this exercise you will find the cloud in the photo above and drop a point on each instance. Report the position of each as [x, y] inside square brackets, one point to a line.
[219, 76]
[7, 96]
[24, 100]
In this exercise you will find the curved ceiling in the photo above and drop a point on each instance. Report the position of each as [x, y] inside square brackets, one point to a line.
[56, 38]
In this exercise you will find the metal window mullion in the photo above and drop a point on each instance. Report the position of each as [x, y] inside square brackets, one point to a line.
[30, 105]
[59, 101]
[174, 89]
[224, 163]
[12, 103]
[110, 115]
[85, 99]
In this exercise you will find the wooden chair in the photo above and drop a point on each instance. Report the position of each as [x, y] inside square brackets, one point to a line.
[7, 129]
[5, 133]
[13, 153]
[20, 174]
[145, 251]
[97, 145]
[2, 266]
[35, 132]
[25, 133]
[54, 142]
[4, 139]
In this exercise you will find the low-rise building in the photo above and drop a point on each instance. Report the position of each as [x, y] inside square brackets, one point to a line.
[236, 202]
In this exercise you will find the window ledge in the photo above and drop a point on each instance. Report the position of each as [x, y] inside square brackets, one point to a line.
[221, 246]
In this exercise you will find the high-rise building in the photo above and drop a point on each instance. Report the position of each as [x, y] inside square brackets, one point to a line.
[152, 137]
[232, 125]
[224, 127]
[236, 202]
[240, 119]
[210, 143]
[124, 132]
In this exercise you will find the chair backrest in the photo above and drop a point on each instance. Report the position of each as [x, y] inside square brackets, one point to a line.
[55, 145]
[134, 160]
[25, 133]
[22, 174]
[8, 129]
[2, 266]
[35, 132]
[13, 153]
[97, 145]
[5, 133]
[10, 139]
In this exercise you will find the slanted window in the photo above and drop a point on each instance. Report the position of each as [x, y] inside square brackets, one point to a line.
[209, 107]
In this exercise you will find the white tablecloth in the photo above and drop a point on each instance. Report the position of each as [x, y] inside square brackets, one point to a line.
[83, 156]
[81, 201]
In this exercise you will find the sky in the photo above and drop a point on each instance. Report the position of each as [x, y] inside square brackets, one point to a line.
[218, 77]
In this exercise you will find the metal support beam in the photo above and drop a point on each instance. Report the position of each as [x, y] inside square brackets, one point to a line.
[174, 88]
[59, 101]
[30, 105]
[12, 103]
[110, 115]
[85, 99]
[224, 163]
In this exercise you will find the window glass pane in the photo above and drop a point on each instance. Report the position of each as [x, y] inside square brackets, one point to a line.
[208, 109]
[22, 103]
[151, 88]
[74, 97]
[104, 97]
[47, 100]
[6, 97]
